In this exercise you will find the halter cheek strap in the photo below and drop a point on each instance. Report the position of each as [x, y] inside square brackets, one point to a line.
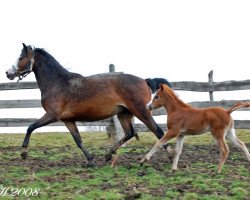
[31, 64]
[25, 72]
[32, 59]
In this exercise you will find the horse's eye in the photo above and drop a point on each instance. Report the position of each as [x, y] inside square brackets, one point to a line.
[156, 97]
[20, 58]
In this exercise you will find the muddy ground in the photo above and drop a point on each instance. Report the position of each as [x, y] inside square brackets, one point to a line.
[191, 154]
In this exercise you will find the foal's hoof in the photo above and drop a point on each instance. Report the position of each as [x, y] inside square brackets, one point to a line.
[108, 157]
[24, 155]
[142, 162]
[173, 171]
[171, 158]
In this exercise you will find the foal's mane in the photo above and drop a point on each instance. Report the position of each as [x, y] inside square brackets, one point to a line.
[170, 92]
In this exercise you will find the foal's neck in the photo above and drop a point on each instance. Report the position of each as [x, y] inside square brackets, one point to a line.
[173, 103]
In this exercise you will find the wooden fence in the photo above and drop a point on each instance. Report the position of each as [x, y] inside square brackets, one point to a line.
[112, 124]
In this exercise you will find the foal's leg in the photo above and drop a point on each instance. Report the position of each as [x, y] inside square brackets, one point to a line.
[220, 139]
[76, 135]
[169, 135]
[146, 117]
[143, 114]
[45, 120]
[125, 120]
[236, 142]
[178, 149]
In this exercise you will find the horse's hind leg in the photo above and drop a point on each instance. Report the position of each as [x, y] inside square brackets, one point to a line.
[125, 118]
[45, 120]
[76, 135]
[219, 135]
[143, 114]
[236, 142]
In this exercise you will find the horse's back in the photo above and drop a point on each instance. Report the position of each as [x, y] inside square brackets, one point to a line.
[117, 81]
[103, 95]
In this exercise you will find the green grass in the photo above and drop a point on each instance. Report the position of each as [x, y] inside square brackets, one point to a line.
[55, 167]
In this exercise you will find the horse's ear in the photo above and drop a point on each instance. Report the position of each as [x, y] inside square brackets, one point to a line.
[161, 86]
[25, 47]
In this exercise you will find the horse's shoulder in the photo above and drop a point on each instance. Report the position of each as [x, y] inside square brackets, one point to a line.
[75, 79]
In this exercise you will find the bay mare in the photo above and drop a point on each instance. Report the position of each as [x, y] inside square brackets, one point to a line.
[70, 97]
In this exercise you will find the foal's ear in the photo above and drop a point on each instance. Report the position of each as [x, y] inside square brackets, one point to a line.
[25, 48]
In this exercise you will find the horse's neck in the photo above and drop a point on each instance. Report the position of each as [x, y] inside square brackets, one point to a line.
[48, 76]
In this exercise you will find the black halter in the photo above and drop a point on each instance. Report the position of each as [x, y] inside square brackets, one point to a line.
[22, 74]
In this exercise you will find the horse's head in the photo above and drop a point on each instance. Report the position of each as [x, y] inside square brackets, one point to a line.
[24, 64]
[158, 100]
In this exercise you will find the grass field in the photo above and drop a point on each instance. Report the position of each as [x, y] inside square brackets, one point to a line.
[56, 169]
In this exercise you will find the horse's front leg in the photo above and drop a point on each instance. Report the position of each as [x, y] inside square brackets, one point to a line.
[45, 120]
[76, 135]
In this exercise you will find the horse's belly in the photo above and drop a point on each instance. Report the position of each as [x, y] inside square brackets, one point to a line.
[90, 114]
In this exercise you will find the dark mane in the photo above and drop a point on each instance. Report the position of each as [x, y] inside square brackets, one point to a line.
[44, 53]
[154, 83]
[51, 60]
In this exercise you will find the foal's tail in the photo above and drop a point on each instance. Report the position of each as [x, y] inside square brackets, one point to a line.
[237, 106]
[154, 83]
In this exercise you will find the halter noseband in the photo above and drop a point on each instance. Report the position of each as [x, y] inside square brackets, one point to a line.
[22, 74]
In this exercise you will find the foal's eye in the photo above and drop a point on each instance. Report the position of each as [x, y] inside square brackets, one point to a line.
[156, 97]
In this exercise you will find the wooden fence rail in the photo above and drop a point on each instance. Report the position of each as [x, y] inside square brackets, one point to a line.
[111, 123]
[182, 85]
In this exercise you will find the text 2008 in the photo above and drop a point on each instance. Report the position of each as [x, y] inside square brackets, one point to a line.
[13, 191]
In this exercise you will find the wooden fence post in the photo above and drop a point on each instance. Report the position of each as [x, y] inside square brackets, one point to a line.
[116, 129]
[111, 68]
[211, 80]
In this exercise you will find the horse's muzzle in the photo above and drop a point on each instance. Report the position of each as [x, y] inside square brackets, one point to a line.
[11, 73]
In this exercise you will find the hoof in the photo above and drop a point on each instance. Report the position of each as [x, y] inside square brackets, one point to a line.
[171, 158]
[142, 162]
[91, 157]
[137, 136]
[108, 157]
[141, 173]
[90, 164]
[24, 155]
[170, 150]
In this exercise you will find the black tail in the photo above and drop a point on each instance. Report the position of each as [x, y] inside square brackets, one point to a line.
[154, 83]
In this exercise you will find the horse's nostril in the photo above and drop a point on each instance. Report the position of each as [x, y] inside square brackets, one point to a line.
[10, 75]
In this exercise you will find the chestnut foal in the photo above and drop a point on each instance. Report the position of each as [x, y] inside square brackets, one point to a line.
[183, 120]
